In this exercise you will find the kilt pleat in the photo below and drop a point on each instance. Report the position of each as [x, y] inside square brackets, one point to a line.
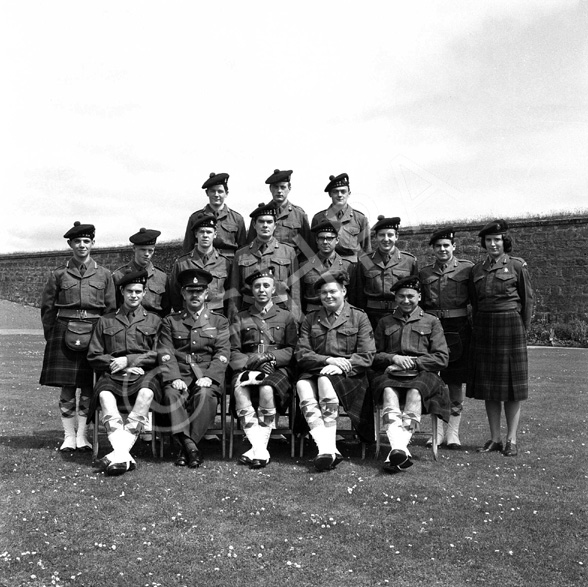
[498, 358]
[62, 366]
[280, 381]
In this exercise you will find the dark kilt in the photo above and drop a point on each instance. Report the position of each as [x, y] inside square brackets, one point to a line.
[355, 397]
[433, 390]
[62, 366]
[125, 393]
[280, 381]
[458, 335]
[498, 358]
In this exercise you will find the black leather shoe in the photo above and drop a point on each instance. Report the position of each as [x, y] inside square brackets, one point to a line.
[244, 460]
[399, 458]
[510, 449]
[338, 459]
[102, 463]
[116, 469]
[181, 461]
[324, 462]
[388, 468]
[490, 446]
[454, 446]
[258, 464]
[194, 458]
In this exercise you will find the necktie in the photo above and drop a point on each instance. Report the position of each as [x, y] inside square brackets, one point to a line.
[82, 269]
[340, 214]
[204, 259]
[262, 247]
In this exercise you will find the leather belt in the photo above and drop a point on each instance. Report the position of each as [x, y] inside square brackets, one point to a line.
[261, 348]
[78, 314]
[196, 358]
[382, 304]
[459, 313]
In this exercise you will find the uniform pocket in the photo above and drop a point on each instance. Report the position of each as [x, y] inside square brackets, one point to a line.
[347, 338]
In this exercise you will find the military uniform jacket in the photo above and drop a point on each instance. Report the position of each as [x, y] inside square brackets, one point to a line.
[375, 277]
[252, 332]
[354, 231]
[156, 298]
[446, 287]
[249, 259]
[119, 335]
[217, 265]
[350, 336]
[420, 335]
[190, 348]
[311, 270]
[292, 227]
[230, 230]
[502, 286]
[67, 289]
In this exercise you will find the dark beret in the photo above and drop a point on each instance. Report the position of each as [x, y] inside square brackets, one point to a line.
[494, 227]
[145, 236]
[216, 179]
[267, 272]
[195, 278]
[384, 222]
[264, 210]
[445, 232]
[79, 230]
[341, 277]
[277, 176]
[411, 282]
[325, 226]
[139, 276]
[206, 220]
[337, 182]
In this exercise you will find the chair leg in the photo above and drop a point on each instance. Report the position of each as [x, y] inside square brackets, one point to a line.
[377, 428]
[434, 432]
[224, 424]
[95, 434]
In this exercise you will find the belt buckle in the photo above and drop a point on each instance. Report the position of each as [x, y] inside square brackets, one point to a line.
[441, 313]
[261, 348]
[387, 305]
[83, 314]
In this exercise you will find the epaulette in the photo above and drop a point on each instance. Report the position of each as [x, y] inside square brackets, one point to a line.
[465, 261]
[431, 265]
[287, 245]
[356, 308]
[407, 254]
[160, 269]
[519, 260]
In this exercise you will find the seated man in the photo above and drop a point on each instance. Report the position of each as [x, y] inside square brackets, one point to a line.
[193, 353]
[263, 338]
[335, 348]
[122, 349]
[411, 348]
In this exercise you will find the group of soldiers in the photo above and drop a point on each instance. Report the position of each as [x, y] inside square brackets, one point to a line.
[285, 306]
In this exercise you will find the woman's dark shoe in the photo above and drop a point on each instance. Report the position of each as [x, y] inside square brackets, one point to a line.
[194, 458]
[510, 449]
[490, 446]
[181, 461]
[324, 462]
[258, 464]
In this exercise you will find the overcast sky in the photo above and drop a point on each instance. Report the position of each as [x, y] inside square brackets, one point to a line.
[115, 113]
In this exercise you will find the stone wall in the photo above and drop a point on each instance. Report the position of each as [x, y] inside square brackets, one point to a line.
[556, 250]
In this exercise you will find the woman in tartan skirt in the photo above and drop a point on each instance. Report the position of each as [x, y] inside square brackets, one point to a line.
[502, 304]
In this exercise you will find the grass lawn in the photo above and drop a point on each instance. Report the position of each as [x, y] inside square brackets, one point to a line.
[467, 519]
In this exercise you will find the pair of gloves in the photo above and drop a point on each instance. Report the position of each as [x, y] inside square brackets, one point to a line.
[264, 362]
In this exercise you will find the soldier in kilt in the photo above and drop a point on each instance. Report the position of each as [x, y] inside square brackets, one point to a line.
[502, 304]
[334, 351]
[75, 296]
[122, 350]
[263, 338]
[411, 349]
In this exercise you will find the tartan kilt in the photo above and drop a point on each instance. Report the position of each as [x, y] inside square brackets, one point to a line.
[125, 393]
[280, 381]
[433, 390]
[62, 366]
[458, 335]
[355, 397]
[498, 358]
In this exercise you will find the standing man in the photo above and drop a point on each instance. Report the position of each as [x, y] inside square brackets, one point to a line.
[411, 349]
[156, 294]
[326, 259]
[264, 251]
[334, 351]
[193, 353]
[122, 351]
[353, 227]
[203, 256]
[263, 338]
[445, 294]
[292, 226]
[377, 272]
[75, 296]
[230, 235]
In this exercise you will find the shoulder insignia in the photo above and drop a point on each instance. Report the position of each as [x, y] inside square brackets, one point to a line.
[223, 359]
[165, 358]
